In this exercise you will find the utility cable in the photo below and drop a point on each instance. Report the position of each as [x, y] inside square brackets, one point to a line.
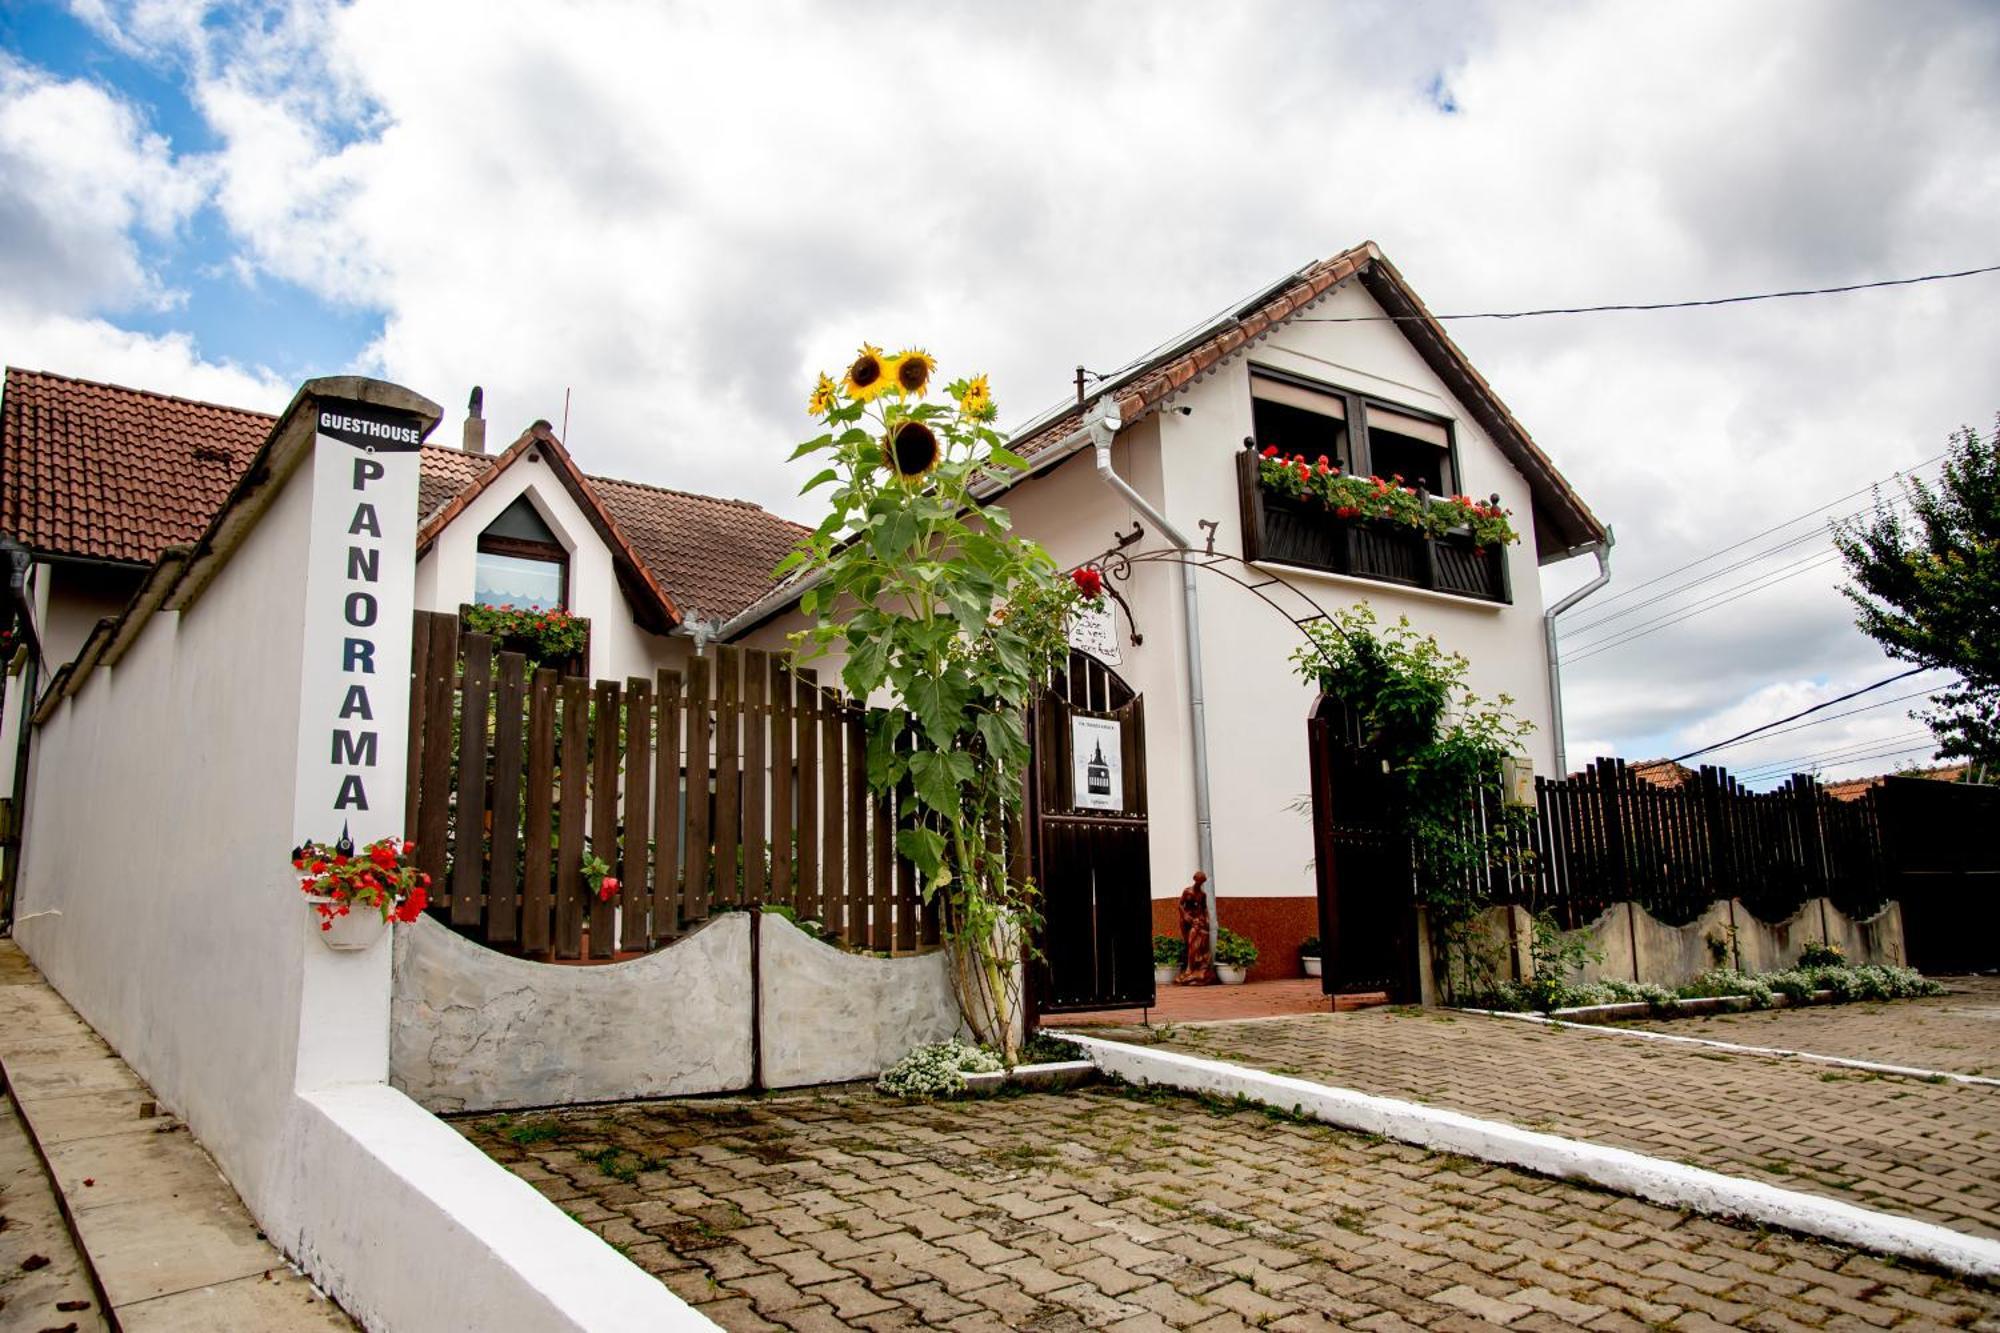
[1779, 722]
[1727, 595]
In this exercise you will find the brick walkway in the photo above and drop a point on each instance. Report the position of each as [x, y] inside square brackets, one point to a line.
[1958, 1033]
[1204, 1004]
[1902, 1145]
[1107, 1209]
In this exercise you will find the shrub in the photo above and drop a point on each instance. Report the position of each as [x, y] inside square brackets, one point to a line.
[1309, 947]
[1232, 950]
[1169, 951]
[1728, 981]
[937, 1070]
[1819, 953]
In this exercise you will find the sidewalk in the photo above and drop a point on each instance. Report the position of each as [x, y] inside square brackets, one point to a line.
[170, 1245]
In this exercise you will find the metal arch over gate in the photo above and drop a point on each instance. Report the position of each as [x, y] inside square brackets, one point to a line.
[1088, 840]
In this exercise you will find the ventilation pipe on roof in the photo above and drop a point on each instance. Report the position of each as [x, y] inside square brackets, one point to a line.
[475, 421]
[1602, 550]
[1101, 425]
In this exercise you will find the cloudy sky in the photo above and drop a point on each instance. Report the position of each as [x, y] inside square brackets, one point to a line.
[678, 213]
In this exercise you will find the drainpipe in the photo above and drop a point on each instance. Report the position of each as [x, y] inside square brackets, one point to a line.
[1101, 425]
[1602, 550]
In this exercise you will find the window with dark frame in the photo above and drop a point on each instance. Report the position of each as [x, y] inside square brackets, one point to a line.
[1300, 418]
[1300, 421]
[520, 563]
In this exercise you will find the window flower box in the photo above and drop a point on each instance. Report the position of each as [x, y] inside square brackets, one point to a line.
[1406, 538]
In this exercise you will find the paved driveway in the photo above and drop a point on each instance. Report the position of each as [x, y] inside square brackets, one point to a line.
[1104, 1208]
[1923, 1149]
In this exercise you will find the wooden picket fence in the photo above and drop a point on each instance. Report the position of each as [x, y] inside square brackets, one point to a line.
[741, 783]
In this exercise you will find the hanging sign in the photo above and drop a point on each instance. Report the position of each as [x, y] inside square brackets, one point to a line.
[1094, 630]
[360, 596]
[1097, 763]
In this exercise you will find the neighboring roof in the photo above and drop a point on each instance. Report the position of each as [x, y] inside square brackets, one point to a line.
[1664, 773]
[1853, 789]
[104, 472]
[112, 473]
[1563, 521]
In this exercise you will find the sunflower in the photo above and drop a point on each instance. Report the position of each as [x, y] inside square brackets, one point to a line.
[822, 397]
[911, 371]
[910, 450]
[868, 378]
[977, 400]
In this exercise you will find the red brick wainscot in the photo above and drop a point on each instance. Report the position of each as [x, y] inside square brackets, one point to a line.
[1274, 925]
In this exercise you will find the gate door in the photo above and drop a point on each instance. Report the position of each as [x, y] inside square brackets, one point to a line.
[1087, 818]
[1367, 896]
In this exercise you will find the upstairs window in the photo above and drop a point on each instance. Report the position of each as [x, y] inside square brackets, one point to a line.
[1414, 448]
[1303, 419]
[1300, 421]
[520, 562]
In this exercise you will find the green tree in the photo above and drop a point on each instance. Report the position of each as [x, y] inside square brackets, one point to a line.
[937, 606]
[1926, 584]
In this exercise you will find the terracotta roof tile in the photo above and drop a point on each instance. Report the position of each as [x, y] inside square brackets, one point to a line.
[114, 473]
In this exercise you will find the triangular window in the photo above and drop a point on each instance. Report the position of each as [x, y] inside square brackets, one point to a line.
[521, 564]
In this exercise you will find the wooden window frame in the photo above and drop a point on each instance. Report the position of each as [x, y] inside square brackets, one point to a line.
[1355, 404]
[522, 549]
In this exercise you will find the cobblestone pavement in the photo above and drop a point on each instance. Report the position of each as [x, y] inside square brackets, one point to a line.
[1901, 1145]
[1958, 1033]
[1104, 1208]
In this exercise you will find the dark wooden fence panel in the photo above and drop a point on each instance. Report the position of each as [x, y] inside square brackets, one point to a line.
[735, 784]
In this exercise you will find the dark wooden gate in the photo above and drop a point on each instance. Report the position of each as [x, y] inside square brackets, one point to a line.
[1367, 897]
[1944, 870]
[1088, 842]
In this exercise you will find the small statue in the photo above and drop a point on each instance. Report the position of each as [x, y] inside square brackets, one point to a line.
[1200, 969]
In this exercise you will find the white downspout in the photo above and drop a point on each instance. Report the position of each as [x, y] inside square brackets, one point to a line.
[1602, 550]
[1101, 424]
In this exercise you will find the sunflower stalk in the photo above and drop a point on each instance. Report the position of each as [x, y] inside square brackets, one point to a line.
[944, 615]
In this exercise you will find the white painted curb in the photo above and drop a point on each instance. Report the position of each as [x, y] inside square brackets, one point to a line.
[1661, 1181]
[1779, 1052]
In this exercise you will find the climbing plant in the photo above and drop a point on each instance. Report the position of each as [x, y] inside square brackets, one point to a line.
[938, 607]
[1443, 745]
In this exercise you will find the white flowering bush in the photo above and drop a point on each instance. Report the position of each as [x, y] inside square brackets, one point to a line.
[1869, 981]
[937, 1070]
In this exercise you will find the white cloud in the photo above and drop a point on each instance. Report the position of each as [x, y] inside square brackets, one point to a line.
[680, 212]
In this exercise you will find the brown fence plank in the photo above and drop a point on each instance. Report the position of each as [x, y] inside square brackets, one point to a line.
[694, 881]
[782, 783]
[728, 775]
[603, 811]
[468, 869]
[635, 894]
[538, 817]
[756, 753]
[570, 816]
[510, 706]
[440, 665]
[667, 811]
[905, 870]
[833, 821]
[882, 871]
[413, 782]
[806, 867]
[856, 744]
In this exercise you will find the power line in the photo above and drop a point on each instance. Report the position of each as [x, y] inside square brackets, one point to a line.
[1841, 754]
[1740, 591]
[1670, 614]
[1834, 717]
[1779, 722]
[1660, 305]
[1886, 749]
[1777, 527]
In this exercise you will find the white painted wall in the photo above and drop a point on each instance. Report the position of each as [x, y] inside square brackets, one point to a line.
[619, 648]
[157, 897]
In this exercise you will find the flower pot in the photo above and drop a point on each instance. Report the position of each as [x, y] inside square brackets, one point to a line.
[1164, 974]
[359, 929]
[1232, 976]
[1311, 966]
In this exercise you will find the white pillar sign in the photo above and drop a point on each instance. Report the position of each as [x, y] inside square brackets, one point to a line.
[1097, 763]
[354, 688]
[1094, 630]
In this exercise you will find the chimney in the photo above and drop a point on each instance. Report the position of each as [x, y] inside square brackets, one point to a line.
[475, 423]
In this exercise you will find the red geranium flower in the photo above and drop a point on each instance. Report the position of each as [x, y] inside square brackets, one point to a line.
[607, 888]
[1088, 581]
[1270, 451]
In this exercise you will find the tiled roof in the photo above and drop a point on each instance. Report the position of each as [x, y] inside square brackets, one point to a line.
[1563, 521]
[1853, 789]
[111, 473]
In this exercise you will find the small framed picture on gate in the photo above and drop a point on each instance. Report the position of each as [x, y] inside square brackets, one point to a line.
[1097, 763]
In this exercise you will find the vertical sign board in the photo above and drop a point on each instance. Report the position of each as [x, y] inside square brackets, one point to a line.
[1097, 763]
[354, 688]
[1094, 630]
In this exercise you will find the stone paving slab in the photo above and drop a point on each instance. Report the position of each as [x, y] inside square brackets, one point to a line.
[1958, 1033]
[1901, 1145]
[44, 1283]
[1112, 1208]
[168, 1240]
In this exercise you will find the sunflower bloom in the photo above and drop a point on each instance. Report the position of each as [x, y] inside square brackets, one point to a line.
[911, 371]
[977, 400]
[822, 397]
[868, 378]
[910, 450]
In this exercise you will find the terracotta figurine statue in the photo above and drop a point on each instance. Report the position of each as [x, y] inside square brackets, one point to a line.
[1200, 969]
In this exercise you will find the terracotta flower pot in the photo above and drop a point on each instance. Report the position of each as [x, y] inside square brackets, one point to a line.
[359, 929]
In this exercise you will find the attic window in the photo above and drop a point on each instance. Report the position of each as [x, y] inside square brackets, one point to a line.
[1414, 448]
[1303, 418]
[520, 562]
[1300, 421]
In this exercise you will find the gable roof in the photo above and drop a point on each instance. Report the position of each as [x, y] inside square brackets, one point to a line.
[1563, 522]
[105, 472]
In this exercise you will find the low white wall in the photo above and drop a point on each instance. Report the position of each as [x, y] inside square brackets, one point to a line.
[829, 1016]
[1637, 946]
[475, 1030]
